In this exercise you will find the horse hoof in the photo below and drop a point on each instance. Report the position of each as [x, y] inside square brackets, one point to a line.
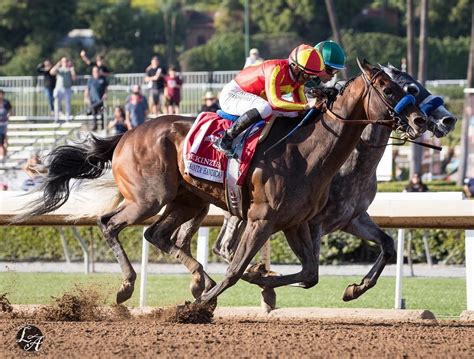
[350, 293]
[268, 302]
[125, 292]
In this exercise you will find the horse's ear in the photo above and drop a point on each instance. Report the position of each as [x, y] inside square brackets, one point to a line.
[365, 66]
[392, 67]
[386, 69]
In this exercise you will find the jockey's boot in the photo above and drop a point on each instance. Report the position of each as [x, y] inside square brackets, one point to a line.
[224, 144]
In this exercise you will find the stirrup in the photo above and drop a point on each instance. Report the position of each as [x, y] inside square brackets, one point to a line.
[218, 145]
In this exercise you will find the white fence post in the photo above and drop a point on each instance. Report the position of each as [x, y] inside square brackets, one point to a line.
[469, 238]
[143, 272]
[399, 278]
[84, 248]
[203, 246]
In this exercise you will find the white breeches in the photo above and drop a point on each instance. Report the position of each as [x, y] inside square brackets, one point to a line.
[235, 101]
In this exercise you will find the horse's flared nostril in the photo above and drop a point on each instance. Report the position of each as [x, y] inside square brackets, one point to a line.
[448, 121]
[419, 121]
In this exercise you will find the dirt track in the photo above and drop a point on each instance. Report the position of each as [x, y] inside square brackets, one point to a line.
[244, 338]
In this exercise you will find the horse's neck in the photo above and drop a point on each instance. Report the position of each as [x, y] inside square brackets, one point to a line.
[365, 158]
[345, 136]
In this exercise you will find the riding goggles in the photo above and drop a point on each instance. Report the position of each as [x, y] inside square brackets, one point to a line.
[331, 70]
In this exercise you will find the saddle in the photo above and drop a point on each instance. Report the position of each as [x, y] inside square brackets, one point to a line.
[203, 161]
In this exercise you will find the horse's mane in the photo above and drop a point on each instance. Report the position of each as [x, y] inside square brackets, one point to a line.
[346, 85]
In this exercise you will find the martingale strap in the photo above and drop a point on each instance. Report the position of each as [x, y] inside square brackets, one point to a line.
[404, 102]
[431, 103]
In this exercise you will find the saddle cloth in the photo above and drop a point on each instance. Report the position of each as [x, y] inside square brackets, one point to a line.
[203, 161]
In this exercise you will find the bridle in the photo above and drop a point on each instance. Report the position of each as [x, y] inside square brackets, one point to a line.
[394, 111]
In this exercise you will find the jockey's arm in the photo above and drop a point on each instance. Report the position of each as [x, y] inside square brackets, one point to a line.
[274, 96]
[299, 95]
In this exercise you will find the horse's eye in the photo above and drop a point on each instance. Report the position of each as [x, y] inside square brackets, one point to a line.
[411, 89]
[387, 91]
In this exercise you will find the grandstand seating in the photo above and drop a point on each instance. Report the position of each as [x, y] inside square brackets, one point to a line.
[28, 134]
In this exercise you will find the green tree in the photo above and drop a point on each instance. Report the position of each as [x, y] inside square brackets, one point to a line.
[33, 29]
[222, 52]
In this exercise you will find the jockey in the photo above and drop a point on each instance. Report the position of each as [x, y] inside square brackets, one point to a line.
[334, 61]
[256, 92]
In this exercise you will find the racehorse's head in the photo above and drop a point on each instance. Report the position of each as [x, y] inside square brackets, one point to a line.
[440, 120]
[390, 101]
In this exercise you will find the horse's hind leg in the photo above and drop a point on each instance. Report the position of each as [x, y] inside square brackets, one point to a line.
[182, 237]
[363, 227]
[160, 233]
[300, 241]
[111, 224]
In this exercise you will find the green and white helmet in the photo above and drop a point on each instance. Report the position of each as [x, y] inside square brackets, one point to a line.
[333, 54]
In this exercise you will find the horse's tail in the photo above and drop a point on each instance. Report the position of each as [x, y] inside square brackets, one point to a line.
[89, 160]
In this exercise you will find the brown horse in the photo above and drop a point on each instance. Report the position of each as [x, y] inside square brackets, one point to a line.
[286, 186]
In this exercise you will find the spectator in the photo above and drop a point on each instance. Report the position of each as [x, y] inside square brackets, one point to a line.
[210, 103]
[155, 78]
[94, 95]
[66, 74]
[136, 108]
[119, 121]
[469, 187]
[253, 59]
[5, 112]
[416, 184]
[35, 169]
[3, 186]
[104, 71]
[173, 84]
[44, 68]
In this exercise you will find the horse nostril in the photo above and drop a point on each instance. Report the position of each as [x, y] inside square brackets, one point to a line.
[448, 121]
[419, 121]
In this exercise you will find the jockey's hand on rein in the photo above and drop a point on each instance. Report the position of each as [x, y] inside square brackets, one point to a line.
[319, 101]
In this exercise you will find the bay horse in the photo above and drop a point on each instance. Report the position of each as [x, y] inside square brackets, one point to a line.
[286, 186]
[352, 190]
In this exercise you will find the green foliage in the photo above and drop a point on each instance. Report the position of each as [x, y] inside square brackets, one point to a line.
[374, 47]
[447, 56]
[433, 186]
[222, 52]
[120, 59]
[24, 62]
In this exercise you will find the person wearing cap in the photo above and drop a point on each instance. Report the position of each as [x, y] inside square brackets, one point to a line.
[257, 91]
[253, 59]
[136, 108]
[334, 61]
[210, 103]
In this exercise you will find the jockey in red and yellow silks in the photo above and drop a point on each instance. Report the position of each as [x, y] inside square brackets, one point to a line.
[257, 91]
[271, 80]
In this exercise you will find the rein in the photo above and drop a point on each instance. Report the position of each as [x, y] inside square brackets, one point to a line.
[403, 141]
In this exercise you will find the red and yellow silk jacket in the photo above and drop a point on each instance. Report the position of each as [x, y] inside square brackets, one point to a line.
[271, 80]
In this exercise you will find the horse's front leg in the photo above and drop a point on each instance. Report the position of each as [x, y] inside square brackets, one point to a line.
[363, 227]
[256, 233]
